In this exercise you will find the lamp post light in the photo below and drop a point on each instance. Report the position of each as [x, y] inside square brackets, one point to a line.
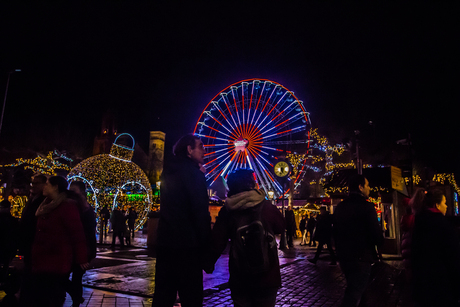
[6, 93]
[271, 194]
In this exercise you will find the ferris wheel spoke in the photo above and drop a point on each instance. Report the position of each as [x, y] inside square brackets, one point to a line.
[289, 108]
[282, 124]
[214, 129]
[232, 88]
[215, 152]
[266, 103]
[216, 105]
[211, 173]
[225, 99]
[258, 102]
[268, 115]
[222, 125]
[212, 137]
[282, 133]
[221, 156]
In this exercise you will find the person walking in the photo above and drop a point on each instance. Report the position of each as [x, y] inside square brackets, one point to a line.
[323, 235]
[291, 226]
[415, 205]
[77, 192]
[357, 233]
[132, 217]
[8, 238]
[303, 230]
[118, 221]
[311, 224]
[184, 228]
[59, 243]
[27, 228]
[435, 255]
[104, 215]
[248, 215]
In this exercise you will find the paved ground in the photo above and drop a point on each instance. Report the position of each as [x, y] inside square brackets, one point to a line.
[126, 277]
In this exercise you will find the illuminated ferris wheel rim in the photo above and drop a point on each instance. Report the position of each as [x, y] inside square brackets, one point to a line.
[244, 139]
[252, 80]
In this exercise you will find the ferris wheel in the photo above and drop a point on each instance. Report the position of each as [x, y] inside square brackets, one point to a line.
[252, 124]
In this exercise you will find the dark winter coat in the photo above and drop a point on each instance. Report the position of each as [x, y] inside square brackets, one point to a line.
[303, 224]
[59, 240]
[323, 232]
[311, 224]
[28, 226]
[356, 229]
[225, 229]
[8, 235]
[132, 216]
[291, 226]
[435, 259]
[407, 227]
[185, 221]
[88, 220]
[118, 220]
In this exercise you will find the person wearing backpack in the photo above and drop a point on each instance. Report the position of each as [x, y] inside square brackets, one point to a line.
[250, 222]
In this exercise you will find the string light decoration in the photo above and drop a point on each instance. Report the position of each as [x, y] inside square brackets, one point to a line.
[43, 165]
[442, 178]
[114, 180]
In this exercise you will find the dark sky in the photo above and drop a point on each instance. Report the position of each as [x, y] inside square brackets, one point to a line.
[157, 66]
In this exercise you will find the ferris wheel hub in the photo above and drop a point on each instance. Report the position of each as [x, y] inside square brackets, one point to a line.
[241, 144]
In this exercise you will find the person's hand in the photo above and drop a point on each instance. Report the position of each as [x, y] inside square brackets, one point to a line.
[84, 266]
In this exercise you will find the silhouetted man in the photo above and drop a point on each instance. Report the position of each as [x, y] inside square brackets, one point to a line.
[290, 226]
[357, 232]
[27, 226]
[184, 227]
[323, 234]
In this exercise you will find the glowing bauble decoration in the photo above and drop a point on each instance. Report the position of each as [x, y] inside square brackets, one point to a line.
[114, 180]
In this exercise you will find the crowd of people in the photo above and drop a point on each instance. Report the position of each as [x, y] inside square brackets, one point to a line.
[187, 244]
[56, 236]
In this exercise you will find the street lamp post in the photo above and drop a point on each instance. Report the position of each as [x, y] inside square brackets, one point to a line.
[6, 93]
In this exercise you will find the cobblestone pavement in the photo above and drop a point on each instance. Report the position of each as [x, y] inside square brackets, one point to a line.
[127, 278]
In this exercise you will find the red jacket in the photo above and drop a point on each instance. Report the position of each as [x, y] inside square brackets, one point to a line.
[59, 240]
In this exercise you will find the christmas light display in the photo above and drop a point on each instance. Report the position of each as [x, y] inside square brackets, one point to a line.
[114, 180]
[43, 165]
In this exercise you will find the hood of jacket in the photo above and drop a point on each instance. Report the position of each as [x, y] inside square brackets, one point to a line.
[244, 200]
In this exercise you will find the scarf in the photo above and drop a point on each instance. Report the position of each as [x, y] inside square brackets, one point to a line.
[49, 205]
[244, 200]
[434, 210]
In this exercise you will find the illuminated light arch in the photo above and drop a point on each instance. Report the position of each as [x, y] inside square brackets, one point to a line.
[250, 124]
[146, 209]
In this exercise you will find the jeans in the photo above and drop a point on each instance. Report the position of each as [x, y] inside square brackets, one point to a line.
[357, 274]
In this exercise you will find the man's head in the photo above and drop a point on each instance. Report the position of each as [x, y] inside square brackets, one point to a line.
[322, 210]
[38, 183]
[190, 146]
[78, 187]
[359, 184]
[240, 180]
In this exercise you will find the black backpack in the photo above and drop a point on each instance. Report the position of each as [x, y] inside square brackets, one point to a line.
[254, 246]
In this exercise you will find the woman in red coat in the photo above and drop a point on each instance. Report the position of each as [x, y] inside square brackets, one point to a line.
[59, 241]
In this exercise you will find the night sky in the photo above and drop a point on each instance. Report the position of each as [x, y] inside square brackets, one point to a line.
[156, 66]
